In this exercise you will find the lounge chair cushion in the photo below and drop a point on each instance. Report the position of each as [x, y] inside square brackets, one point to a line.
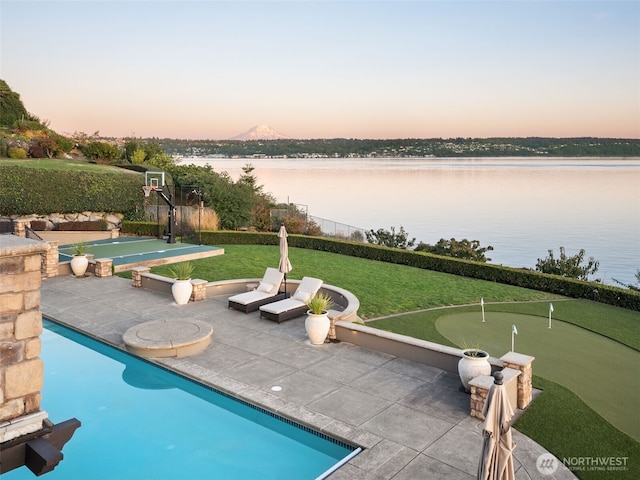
[282, 306]
[308, 287]
[268, 287]
[301, 296]
[249, 297]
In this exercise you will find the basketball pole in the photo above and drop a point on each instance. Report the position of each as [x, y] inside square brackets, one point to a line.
[172, 211]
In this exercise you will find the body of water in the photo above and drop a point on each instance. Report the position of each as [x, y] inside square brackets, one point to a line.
[521, 206]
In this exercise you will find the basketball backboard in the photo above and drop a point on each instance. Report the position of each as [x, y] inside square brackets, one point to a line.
[154, 179]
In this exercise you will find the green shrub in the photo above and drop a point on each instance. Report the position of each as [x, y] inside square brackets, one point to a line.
[17, 152]
[182, 270]
[36, 191]
[144, 229]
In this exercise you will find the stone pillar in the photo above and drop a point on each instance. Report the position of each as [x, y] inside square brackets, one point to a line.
[199, 290]
[523, 363]
[49, 266]
[479, 387]
[136, 276]
[21, 369]
[19, 227]
[103, 267]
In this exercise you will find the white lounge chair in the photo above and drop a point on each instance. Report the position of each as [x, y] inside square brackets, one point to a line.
[267, 291]
[296, 305]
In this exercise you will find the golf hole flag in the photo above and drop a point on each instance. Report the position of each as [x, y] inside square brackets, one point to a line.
[514, 332]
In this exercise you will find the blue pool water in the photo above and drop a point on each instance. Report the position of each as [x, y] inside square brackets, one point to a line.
[140, 421]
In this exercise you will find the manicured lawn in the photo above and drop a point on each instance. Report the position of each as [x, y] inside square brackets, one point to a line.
[382, 288]
[559, 420]
[62, 164]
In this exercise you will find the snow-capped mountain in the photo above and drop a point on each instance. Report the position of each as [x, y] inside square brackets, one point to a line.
[260, 132]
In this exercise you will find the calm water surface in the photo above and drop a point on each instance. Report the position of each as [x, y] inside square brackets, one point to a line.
[521, 206]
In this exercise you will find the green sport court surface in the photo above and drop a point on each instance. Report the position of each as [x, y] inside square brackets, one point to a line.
[599, 370]
[130, 252]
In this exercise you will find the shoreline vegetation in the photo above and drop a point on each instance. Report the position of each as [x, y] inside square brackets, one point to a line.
[536, 147]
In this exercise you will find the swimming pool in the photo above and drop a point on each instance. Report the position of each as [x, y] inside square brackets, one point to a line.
[140, 421]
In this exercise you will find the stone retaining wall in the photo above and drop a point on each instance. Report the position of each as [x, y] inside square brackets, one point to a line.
[111, 220]
[347, 303]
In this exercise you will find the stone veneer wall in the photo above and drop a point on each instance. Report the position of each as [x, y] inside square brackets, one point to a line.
[21, 369]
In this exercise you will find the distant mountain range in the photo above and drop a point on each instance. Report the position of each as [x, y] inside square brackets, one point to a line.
[260, 132]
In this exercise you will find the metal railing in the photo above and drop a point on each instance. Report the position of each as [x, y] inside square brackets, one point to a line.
[301, 222]
[334, 229]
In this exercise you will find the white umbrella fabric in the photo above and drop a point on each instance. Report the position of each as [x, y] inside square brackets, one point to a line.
[285, 265]
[496, 460]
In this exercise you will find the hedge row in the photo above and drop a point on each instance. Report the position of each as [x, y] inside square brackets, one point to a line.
[37, 191]
[495, 273]
[143, 229]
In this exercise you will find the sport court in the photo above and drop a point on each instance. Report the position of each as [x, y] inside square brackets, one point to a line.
[131, 252]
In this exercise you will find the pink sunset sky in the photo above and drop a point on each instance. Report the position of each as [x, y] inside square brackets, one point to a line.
[327, 69]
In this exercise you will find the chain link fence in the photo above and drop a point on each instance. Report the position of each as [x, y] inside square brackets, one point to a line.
[297, 220]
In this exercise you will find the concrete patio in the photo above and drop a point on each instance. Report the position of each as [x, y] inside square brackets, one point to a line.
[411, 420]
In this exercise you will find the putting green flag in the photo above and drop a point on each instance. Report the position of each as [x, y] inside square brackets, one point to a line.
[514, 329]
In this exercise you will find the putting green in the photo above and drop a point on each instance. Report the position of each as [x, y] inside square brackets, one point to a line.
[602, 372]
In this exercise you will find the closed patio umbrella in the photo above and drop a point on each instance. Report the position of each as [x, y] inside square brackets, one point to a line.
[285, 265]
[496, 460]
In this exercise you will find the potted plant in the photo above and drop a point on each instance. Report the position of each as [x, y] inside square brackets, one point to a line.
[474, 362]
[317, 322]
[79, 262]
[182, 287]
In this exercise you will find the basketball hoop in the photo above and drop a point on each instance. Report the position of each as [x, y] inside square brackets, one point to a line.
[147, 189]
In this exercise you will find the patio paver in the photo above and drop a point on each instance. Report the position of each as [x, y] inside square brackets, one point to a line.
[410, 418]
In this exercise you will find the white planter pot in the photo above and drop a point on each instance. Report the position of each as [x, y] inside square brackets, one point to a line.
[181, 290]
[79, 264]
[317, 326]
[470, 367]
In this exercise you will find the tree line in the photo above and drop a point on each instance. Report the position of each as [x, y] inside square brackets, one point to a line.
[409, 147]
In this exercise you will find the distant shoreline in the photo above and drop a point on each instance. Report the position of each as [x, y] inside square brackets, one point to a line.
[475, 157]
[405, 148]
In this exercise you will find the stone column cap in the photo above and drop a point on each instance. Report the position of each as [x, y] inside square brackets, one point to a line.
[482, 381]
[515, 358]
